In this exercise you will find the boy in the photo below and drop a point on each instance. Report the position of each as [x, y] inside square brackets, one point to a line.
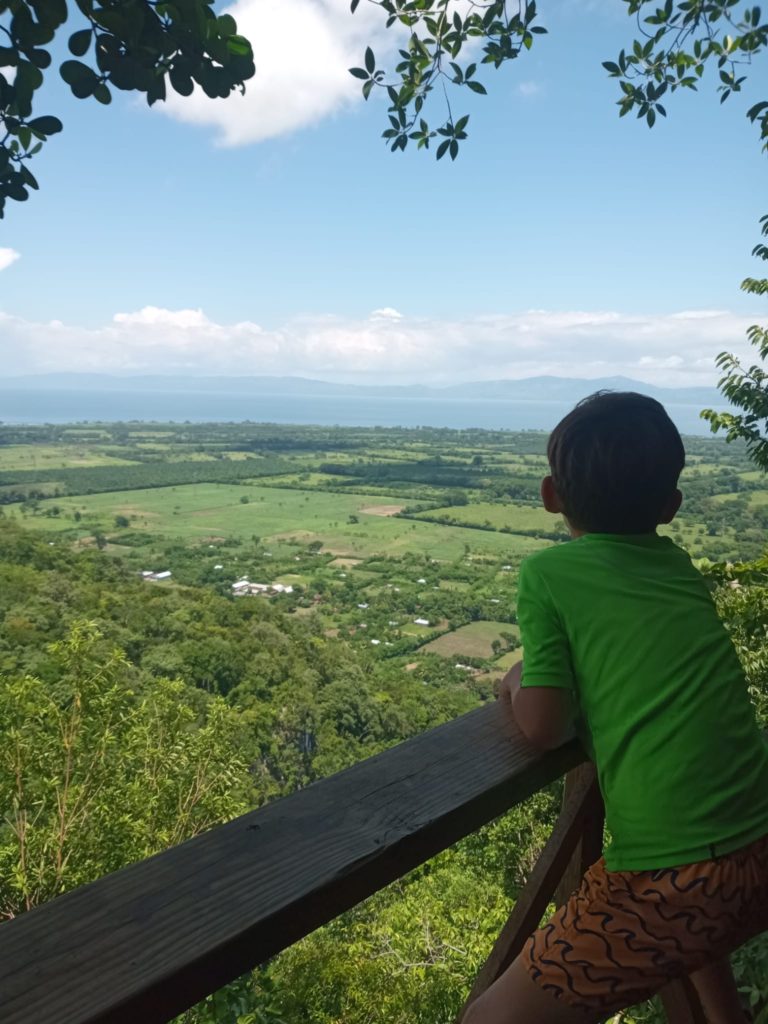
[621, 639]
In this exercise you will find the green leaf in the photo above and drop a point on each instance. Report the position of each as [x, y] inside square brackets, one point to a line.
[47, 125]
[102, 94]
[29, 177]
[226, 25]
[239, 46]
[354, 5]
[181, 81]
[17, 191]
[40, 58]
[359, 73]
[79, 77]
[477, 87]
[611, 68]
[79, 42]
[370, 60]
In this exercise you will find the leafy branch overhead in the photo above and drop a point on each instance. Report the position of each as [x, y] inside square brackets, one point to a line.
[135, 45]
[676, 43]
[746, 388]
[444, 43]
[435, 34]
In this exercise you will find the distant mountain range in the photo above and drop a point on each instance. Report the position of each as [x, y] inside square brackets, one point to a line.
[528, 389]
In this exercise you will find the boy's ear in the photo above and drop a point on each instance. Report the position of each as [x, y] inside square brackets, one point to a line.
[672, 506]
[550, 496]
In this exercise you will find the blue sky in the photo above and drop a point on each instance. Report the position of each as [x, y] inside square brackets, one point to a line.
[278, 235]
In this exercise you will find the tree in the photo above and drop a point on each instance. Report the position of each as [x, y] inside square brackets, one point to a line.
[747, 389]
[94, 775]
[136, 45]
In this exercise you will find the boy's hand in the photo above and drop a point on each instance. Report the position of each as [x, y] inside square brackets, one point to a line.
[510, 684]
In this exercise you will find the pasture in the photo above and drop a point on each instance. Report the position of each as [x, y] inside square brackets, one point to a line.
[471, 641]
[56, 456]
[196, 512]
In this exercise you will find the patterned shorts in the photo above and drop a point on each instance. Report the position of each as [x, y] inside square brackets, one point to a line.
[624, 934]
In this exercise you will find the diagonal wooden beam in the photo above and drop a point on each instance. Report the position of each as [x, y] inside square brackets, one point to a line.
[681, 1003]
[583, 804]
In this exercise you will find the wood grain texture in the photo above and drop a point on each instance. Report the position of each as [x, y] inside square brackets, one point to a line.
[149, 941]
[538, 892]
[590, 845]
[681, 1003]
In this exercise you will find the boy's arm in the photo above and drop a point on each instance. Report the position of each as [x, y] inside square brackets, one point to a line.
[544, 714]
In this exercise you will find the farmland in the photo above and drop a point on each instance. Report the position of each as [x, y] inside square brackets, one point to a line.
[405, 542]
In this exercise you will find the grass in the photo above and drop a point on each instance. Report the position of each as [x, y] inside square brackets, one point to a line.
[56, 456]
[472, 641]
[196, 511]
[506, 661]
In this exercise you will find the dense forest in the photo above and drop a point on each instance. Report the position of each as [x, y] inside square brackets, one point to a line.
[137, 712]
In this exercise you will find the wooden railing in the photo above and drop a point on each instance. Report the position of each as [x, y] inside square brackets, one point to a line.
[148, 942]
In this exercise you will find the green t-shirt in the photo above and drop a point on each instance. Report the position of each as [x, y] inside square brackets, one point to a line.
[626, 623]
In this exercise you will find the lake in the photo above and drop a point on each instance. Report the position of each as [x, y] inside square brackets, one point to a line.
[60, 406]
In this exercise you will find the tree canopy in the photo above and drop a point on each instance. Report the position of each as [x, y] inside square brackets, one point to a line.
[136, 45]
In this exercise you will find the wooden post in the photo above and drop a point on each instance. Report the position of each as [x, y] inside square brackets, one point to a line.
[590, 845]
[681, 1003]
[582, 804]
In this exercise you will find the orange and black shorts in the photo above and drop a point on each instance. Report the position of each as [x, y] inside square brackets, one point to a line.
[624, 934]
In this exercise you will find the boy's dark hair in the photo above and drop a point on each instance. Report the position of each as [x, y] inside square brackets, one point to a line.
[615, 460]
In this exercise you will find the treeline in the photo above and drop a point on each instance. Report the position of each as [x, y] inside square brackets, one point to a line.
[21, 485]
[445, 519]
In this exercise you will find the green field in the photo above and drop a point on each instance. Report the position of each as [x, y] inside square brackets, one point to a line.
[471, 641]
[506, 661]
[58, 456]
[197, 512]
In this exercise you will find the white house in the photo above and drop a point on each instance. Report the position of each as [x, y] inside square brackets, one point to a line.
[421, 622]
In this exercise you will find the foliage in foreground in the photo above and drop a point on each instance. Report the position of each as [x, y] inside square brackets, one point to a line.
[96, 776]
[94, 729]
[135, 45]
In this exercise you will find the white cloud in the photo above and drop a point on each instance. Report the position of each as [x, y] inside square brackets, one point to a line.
[152, 316]
[528, 88]
[386, 346]
[386, 313]
[7, 257]
[303, 50]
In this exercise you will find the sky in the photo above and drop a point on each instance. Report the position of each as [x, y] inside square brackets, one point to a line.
[276, 234]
